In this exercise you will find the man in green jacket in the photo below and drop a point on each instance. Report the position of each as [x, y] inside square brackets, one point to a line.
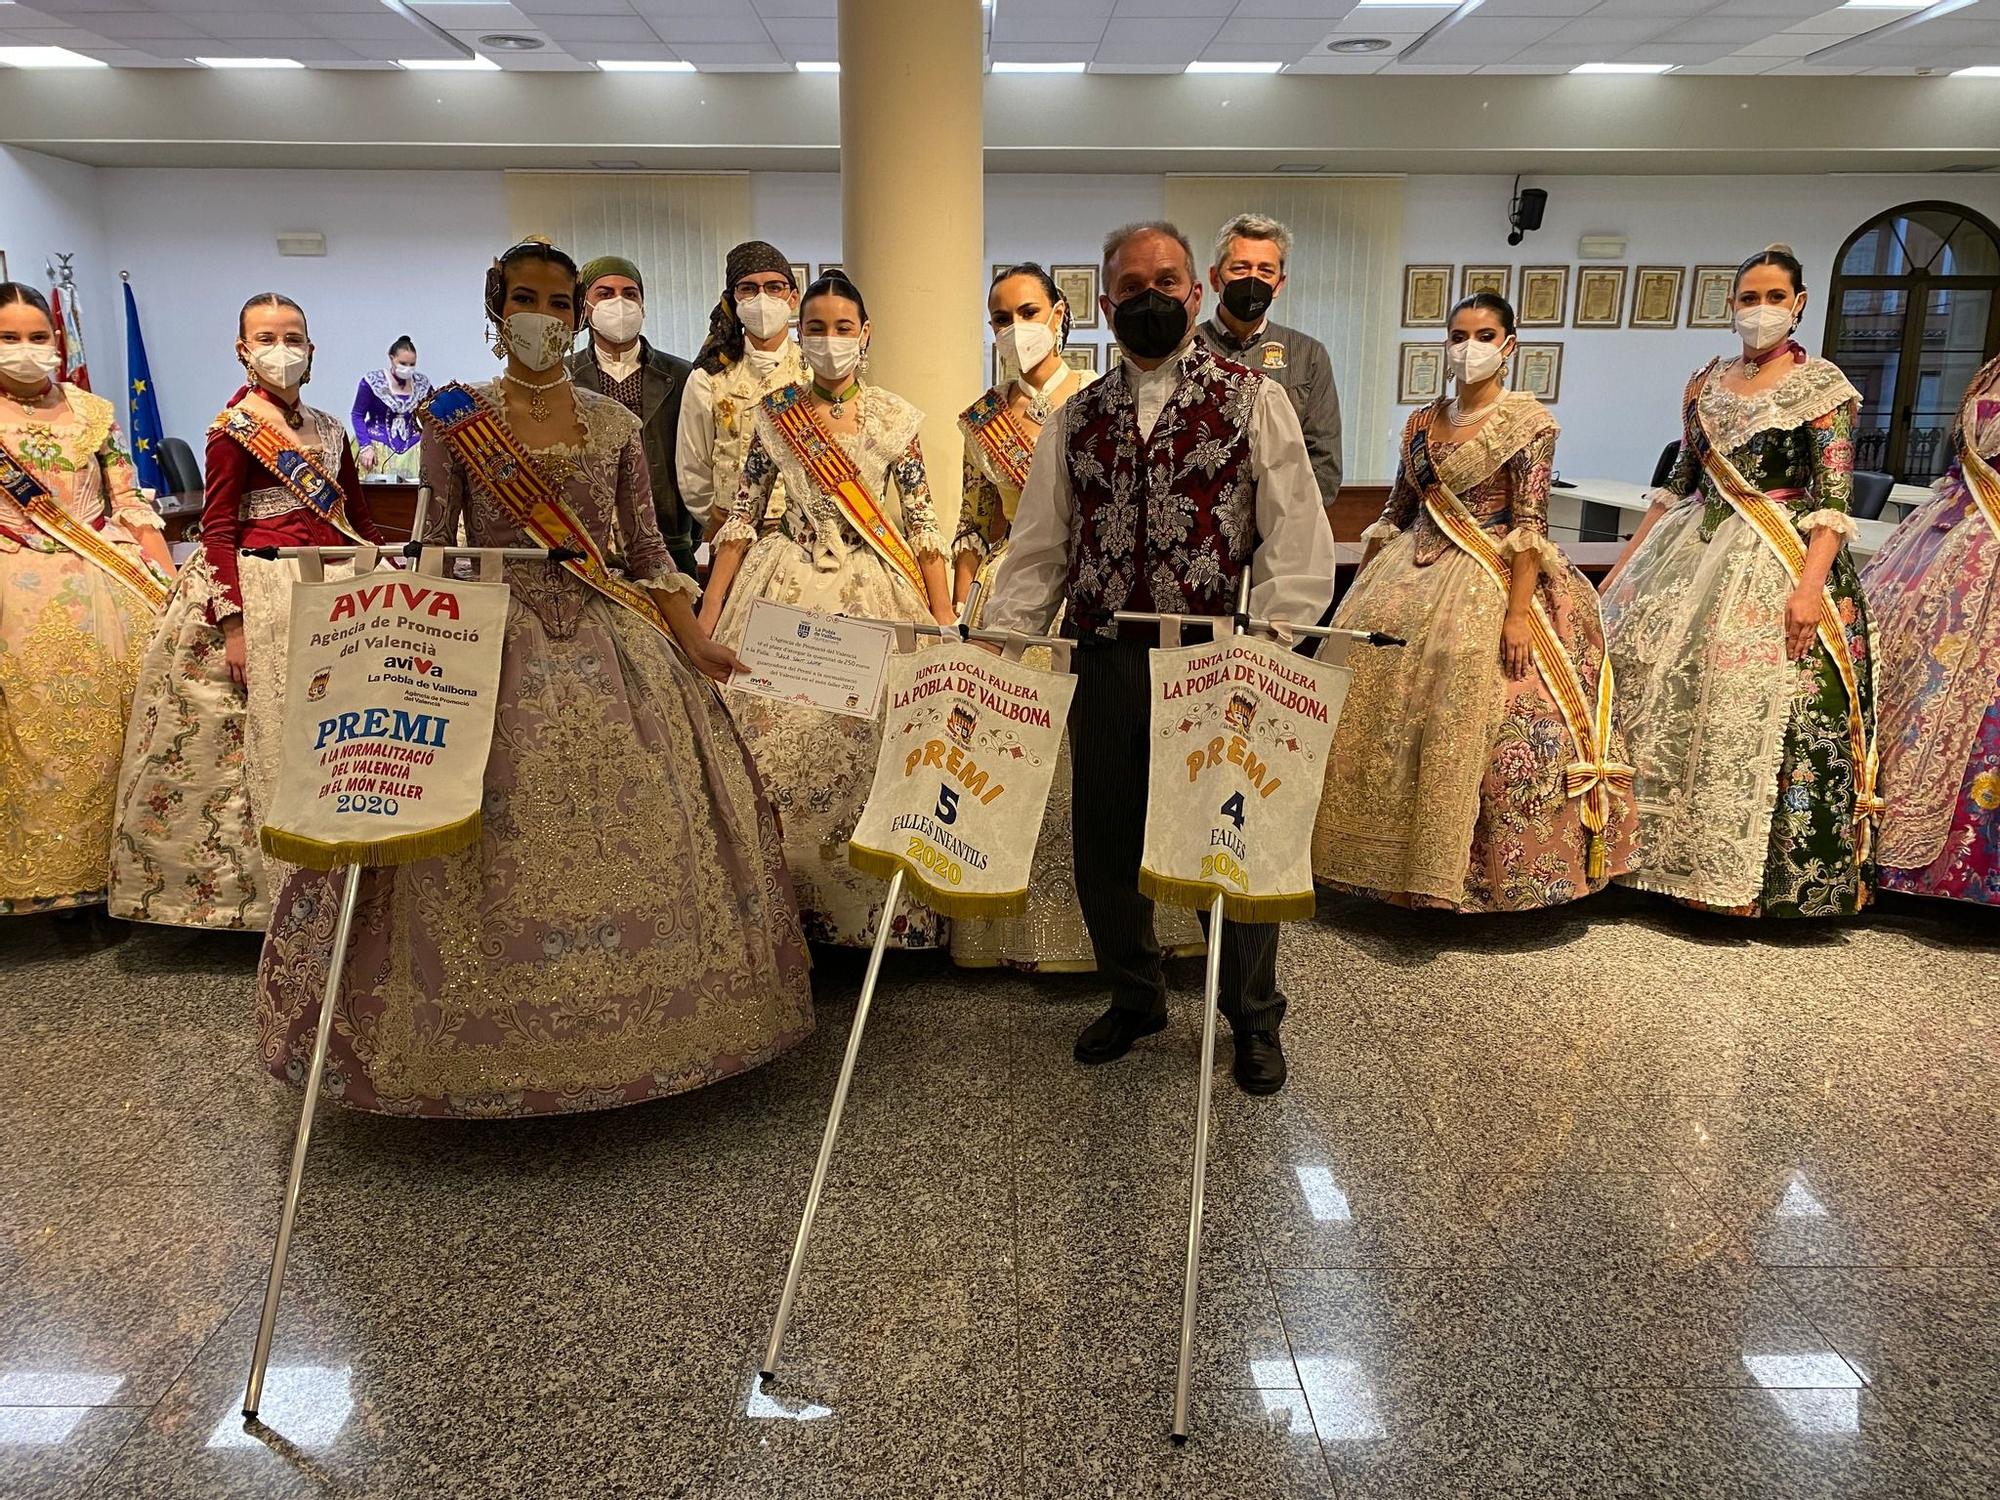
[648, 382]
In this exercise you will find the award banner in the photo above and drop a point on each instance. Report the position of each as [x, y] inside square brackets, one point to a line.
[969, 745]
[1241, 729]
[393, 678]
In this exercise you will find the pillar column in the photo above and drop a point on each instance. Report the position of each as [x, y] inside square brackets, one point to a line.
[913, 209]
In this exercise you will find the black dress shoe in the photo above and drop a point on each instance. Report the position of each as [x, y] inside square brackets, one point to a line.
[1112, 1034]
[1260, 1062]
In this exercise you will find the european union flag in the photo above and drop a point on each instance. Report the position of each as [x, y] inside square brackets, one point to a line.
[143, 406]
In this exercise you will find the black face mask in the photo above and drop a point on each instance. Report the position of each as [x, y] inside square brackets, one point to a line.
[1247, 298]
[1150, 324]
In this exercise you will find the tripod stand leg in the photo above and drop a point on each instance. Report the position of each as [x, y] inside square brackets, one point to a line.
[1210, 995]
[784, 1317]
[254, 1393]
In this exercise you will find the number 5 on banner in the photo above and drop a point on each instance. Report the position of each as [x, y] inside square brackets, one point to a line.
[969, 745]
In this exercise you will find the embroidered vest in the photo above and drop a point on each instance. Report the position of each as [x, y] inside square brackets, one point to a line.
[737, 391]
[1170, 522]
[630, 392]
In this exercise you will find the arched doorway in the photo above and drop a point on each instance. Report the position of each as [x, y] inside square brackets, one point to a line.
[1915, 311]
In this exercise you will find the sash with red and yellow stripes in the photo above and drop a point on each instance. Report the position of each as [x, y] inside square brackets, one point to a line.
[49, 518]
[1773, 523]
[992, 426]
[1981, 479]
[833, 471]
[495, 458]
[1593, 775]
[296, 469]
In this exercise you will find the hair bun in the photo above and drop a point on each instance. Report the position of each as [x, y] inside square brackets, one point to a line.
[1779, 247]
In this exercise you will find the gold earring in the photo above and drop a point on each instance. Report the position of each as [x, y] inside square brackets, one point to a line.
[499, 342]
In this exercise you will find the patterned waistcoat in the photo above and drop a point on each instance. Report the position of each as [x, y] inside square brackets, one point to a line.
[1169, 523]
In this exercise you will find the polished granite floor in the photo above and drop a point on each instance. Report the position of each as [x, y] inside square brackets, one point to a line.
[1616, 1200]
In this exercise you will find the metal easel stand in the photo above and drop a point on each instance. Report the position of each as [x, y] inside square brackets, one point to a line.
[260, 1358]
[1225, 627]
[775, 1345]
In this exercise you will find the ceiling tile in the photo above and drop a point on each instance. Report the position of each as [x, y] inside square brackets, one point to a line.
[249, 27]
[1367, 63]
[1324, 11]
[1215, 10]
[473, 17]
[567, 29]
[1622, 30]
[1008, 27]
[825, 9]
[1536, 7]
[1286, 36]
[537, 8]
[710, 30]
[1716, 28]
[731, 54]
[1041, 52]
[805, 36]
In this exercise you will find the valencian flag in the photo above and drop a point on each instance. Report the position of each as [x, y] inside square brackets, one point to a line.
[142, 406]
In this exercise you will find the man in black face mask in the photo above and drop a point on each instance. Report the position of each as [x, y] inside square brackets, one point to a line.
[1153, 490]
[1248, 274]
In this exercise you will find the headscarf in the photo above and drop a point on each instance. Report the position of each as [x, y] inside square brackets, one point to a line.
[611, 265]
[724, 345]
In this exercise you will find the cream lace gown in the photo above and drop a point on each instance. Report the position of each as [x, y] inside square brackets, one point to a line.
[1744, 776]
[624, 928]
[818, 766]
[71, 638]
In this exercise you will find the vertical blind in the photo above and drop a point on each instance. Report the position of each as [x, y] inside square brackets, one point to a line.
[677, 228]
[1344, 285]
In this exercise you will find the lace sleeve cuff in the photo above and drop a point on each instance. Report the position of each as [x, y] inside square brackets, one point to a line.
[925, 541]
[736, 529]
[1383, 530]
[673, 581]
[206, 591]
[1548, 556]
[139, 514]
[970, 544]
[1831, 520]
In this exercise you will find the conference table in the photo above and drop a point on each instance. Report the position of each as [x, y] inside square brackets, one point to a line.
[1568, 500]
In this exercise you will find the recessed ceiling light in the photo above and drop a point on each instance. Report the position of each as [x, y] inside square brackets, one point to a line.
[1026, 67]
[1198, 66]
[248, 62]
[47, 57]
[448, 64]
[817, 67]
[645, 65]
[1649, 68]
[1979, 72]
[507, 41]
[1357, 44]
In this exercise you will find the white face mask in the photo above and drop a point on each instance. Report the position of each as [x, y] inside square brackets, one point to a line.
[830, 358]
[536, 339]
[1473, 361]
[618, 318]
[279, 367]
[763, 314]
[29, 364]
[1025, 345]
[1761, 327]
[405, 373]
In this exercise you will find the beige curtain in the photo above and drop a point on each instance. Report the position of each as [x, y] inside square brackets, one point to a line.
[676, 227]
[1344, 286]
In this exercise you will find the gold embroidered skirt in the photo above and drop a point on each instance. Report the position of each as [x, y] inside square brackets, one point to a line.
[624, 928]
[70, 642]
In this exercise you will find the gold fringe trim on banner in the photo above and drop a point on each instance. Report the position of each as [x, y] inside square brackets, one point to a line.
[1200, 895]
[945, 901]
[397, 849]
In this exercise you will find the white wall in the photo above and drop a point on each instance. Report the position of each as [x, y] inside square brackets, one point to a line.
[1621, 390]
[49, 206]
[407, 251]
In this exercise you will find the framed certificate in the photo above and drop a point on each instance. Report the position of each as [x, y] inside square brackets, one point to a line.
[1656, 297]
[1426, 293]
[1708, 303]
[1538, 370]
[1544, 296]
[1420, 373]
[818, 661]
[1600, 297]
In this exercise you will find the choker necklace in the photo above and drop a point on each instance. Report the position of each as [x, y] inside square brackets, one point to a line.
[294, 411]
[29, 404]
[1752, 363]
[1040, 404]
[537, 407]
[1458, 416]
[836, 404]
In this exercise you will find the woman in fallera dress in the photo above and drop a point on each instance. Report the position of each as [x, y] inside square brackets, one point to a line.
[1739, 636]
[1934, 597]
[624, 928]
[858, 538]
[83, 577]
[1474, 768]
[201, 750]
[385, 415]
[1030, 323]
